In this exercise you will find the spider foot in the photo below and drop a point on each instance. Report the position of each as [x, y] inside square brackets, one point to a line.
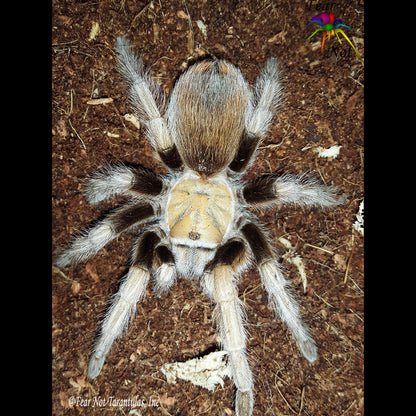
[95, 365]
[308, 349]
[244, 403]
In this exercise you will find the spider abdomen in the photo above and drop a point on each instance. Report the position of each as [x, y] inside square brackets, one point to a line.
[206, 115]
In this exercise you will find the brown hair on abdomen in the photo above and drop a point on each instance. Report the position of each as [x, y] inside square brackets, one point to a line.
[206, 115]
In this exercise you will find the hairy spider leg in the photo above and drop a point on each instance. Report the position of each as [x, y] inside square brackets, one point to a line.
[119, 179]
[299, 189]
[123, 307]
[149, 103]
[90, 241]
[229, 317]
[279, 290]
[263, 105]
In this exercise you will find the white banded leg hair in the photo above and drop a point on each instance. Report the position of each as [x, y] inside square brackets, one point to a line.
[262, 107]
[90, 241]
[220, 284]
[279, 289]
[123, 306]
[229, 318]
[119, 179]
[148, 102]
[297, 189]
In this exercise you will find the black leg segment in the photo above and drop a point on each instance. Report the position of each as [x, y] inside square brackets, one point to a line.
[146, 182]
[258, 242]
[230, 253]
[130, 215]
[245, 152]
[143, 256]
[164, 255]
[260, 190]
[171, 158]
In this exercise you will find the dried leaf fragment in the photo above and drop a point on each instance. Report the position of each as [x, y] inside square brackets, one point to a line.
[95, 29]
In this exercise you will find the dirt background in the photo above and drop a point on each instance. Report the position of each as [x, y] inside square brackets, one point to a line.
[324, 107]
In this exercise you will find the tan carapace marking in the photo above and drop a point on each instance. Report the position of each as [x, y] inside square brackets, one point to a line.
[199, 211]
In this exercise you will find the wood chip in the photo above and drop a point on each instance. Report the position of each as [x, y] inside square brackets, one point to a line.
[99, 101]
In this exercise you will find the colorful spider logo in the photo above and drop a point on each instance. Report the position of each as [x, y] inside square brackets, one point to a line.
[330, 27]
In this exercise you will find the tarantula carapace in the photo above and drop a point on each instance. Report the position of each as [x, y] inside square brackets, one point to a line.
[195, 222]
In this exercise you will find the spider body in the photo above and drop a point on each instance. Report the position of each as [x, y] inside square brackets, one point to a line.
[329, 27]
[196, 222]
[199, 219]
[199, 211]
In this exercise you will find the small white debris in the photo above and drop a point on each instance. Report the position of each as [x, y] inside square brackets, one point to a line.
[95, 29]
[115, 135]
[202, 28]
[207, 371]
[332, 151]
[132, 118]
[359, 223]
[292, 257]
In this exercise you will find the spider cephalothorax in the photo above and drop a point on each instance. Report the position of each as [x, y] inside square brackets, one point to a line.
[195, 221]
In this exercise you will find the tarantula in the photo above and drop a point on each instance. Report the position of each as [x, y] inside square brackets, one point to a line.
[195, 222]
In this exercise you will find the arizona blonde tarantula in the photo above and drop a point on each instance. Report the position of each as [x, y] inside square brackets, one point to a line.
[195, 222]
